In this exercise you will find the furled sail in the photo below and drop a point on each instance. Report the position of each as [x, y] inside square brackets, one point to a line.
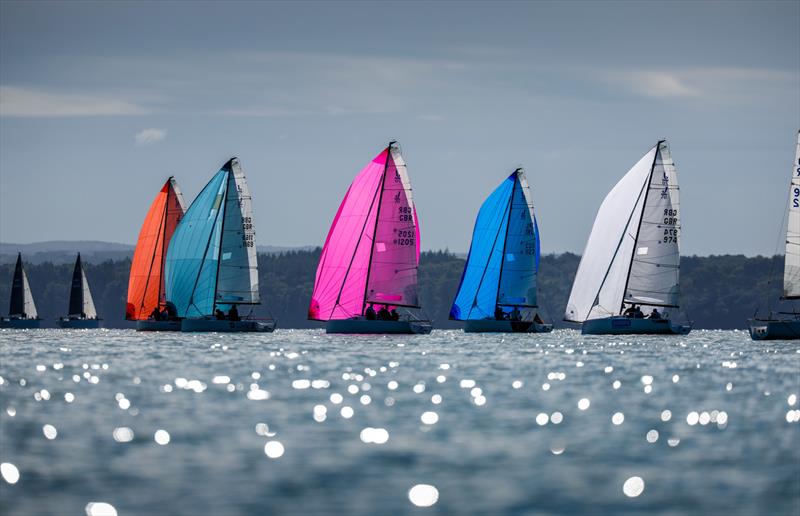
[81, 303]
[146, 282]
[211, 260]
[632, 255]
[371, 253]
[503, 259]
[21, 304]
[791, 264]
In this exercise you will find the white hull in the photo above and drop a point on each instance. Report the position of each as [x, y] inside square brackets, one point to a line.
[150, 325]
[364, 326]
[221, 325]
[494, 326]
[626, 326]
[20, 324]
[775, 330]
[78, 324]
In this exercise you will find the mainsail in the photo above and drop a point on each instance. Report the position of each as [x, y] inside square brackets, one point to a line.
[146, 282]
[632, 255]
[503, 258]
[21, 304]
[791, 264]
[371, 254]
[211, 261]
[80, 297]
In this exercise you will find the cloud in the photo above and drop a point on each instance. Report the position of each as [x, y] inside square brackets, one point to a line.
[28, 103]
[148, 136]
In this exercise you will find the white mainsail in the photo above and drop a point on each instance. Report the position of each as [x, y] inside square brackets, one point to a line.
[791, 264]
[237, 281]
[632, 253]
[30, 306]
[88, 302]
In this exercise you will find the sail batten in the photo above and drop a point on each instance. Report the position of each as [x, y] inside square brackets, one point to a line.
[371, 253]
[791, 263]
[503, 260]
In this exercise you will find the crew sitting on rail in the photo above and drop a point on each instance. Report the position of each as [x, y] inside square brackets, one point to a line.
[655, 314]
[219, 314]
[233, 313]
[499, 314]
[370, 313]
[383, 314]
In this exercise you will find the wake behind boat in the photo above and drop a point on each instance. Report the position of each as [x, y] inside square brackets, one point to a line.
[771, 327]
[211, 267]
[22, 314]
[147, 304]
[498, 287]
[632, 257]
[82, 313]
[368, 267]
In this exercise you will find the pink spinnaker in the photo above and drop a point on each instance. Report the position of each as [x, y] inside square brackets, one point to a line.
[371, 254]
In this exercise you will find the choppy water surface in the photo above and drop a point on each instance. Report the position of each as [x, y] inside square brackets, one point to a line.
[298, 422]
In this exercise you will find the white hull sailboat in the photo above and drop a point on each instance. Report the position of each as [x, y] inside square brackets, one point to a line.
[628, 275]
[367, 272]
[211, 267]
[22, 314]
[497, 293]
[82, 313]
[771, 328]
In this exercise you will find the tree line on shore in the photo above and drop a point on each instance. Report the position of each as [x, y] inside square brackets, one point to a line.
[716, 291]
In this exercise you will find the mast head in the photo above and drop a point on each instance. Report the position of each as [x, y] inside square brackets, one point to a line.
[229, 164]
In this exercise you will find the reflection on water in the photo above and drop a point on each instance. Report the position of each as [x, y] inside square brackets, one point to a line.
[298, 422]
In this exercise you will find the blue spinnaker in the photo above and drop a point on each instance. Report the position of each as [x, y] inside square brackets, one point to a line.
[504, 254]
[191, 265]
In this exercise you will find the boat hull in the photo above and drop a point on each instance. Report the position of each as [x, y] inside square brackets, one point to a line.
[628, 326]
[150, 325]
[79, 324]
[494, 326]
[775, 330]
[20, 324]
[369, 327]
[225, 326]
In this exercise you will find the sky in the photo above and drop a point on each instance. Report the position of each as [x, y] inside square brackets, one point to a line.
[101, 102]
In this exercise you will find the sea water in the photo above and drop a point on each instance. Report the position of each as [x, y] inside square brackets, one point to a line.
[299, 422]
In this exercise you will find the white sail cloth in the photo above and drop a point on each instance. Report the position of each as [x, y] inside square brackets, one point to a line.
[791, 264]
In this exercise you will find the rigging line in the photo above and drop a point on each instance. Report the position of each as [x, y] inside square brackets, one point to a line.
[784, 222]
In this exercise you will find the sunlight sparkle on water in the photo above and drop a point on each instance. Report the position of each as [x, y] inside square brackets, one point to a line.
[666, 415]
[633, 487]
[618, 418]
[429, 417]
[584, 403]
[161, 437]
[9, 472]
[652, 436]
[123, 434]
[336, 398]
[542, 418]
[423, 495]
[273, 449]
[100, 509]
[49, 431]
[371, 435]
[556, 418]
[347, 412]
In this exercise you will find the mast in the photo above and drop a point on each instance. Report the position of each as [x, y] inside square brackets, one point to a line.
[223, 212]
[505, 239]
[377, 221]
[641, 217]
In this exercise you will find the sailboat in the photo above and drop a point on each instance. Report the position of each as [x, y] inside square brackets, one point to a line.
[497, 292]
[22, 312]
[770, 328]
[368, 266]
[82, 314]
[211, 265]
[632, 258]
[147, 303]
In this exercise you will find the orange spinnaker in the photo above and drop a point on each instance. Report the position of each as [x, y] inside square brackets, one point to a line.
[146, 282]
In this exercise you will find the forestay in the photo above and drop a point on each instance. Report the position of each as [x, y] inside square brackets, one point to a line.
[503, 259]
[632, 254]
[791, 267]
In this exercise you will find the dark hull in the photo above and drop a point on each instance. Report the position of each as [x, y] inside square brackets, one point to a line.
[368, 327]
[20, 324]
[79, 324]
[217, 325]
[493, 326]
[627, 326]
[158, 325]
[775, 330]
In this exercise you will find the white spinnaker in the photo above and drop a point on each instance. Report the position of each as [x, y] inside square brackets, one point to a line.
[653, 278]
[237, 281]
[791, 264]
[88, 302]
[30, 307]
[600, 281]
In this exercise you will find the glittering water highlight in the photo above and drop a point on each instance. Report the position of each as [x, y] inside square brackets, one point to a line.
[298, 422]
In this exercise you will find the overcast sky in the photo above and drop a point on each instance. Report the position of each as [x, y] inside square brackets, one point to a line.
[100, 102]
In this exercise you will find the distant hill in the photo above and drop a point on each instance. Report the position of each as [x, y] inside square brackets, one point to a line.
[92, 251]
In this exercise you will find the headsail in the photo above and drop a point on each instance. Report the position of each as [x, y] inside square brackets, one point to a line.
[791, 264]
[21, 304]
[81, 303]
[503, 259]
[217, 225]
[372, 250]
[146, 282]
[632, 254]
